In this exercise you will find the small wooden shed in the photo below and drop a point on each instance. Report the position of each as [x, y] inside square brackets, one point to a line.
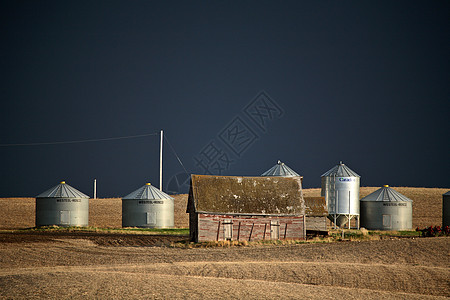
[316, 214]
[245, 208]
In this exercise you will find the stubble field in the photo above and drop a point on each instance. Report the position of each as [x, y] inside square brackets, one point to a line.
[85, 265]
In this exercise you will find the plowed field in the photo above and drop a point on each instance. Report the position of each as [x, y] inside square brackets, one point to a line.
[96, 266]
[91, 265]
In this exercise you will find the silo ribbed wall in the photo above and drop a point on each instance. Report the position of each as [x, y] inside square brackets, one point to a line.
[148, 213]
[62, 211]
[386, 215]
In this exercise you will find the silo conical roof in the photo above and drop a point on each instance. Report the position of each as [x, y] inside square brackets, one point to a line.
[386, 194]
[280, 169]
[147, 192]
[62, 190]
[340, 170]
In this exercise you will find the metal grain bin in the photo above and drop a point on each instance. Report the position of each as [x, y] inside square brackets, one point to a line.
[386, 209]
[340, 187]
[148, 207]
[280, 169]
[62, 205]
[446, 209]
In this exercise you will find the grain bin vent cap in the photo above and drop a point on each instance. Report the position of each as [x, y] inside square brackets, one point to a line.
[280, 169]
[386, 194]
[147, 192]
[62, 190]
[340, 170]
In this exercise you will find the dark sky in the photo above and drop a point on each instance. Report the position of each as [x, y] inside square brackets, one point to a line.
[235, 85]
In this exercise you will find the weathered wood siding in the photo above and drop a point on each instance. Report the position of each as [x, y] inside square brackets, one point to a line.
[316, 223]
[211, 227]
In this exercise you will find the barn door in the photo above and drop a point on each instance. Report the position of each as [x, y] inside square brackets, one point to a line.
[227, 231]
[64, 217]
[274, 230]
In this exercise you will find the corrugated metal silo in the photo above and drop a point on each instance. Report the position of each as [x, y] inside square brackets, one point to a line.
[148, 207]
[446, 209]
[386, 209]
[340, 187]
[62, 205]
[280, 169]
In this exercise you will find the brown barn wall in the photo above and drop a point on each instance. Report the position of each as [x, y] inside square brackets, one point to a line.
[210, 227]
[316, 223]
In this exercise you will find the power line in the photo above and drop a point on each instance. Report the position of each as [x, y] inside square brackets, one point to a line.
[100, 140]
[81, 141]
[173, 150]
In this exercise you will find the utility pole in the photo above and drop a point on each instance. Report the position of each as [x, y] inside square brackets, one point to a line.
[160, 162]
[95, 188]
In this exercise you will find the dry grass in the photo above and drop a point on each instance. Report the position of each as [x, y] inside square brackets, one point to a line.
[17, 213]
[181, 217]
[105, 213]
[427, 205]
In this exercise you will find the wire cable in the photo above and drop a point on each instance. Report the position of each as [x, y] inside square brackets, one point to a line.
[81, 141]
[173, 150]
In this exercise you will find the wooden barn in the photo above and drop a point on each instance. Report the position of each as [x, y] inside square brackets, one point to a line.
[245, 208]
[316, 214]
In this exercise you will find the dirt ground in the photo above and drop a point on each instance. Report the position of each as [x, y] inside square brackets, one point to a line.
[86, 265]
[115, 266]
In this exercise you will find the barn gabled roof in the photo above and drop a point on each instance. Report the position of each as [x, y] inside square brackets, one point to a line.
[386, 194]
[246, 195]
[62, 190]
[280, 169]
[340, 170]
[147, 192]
